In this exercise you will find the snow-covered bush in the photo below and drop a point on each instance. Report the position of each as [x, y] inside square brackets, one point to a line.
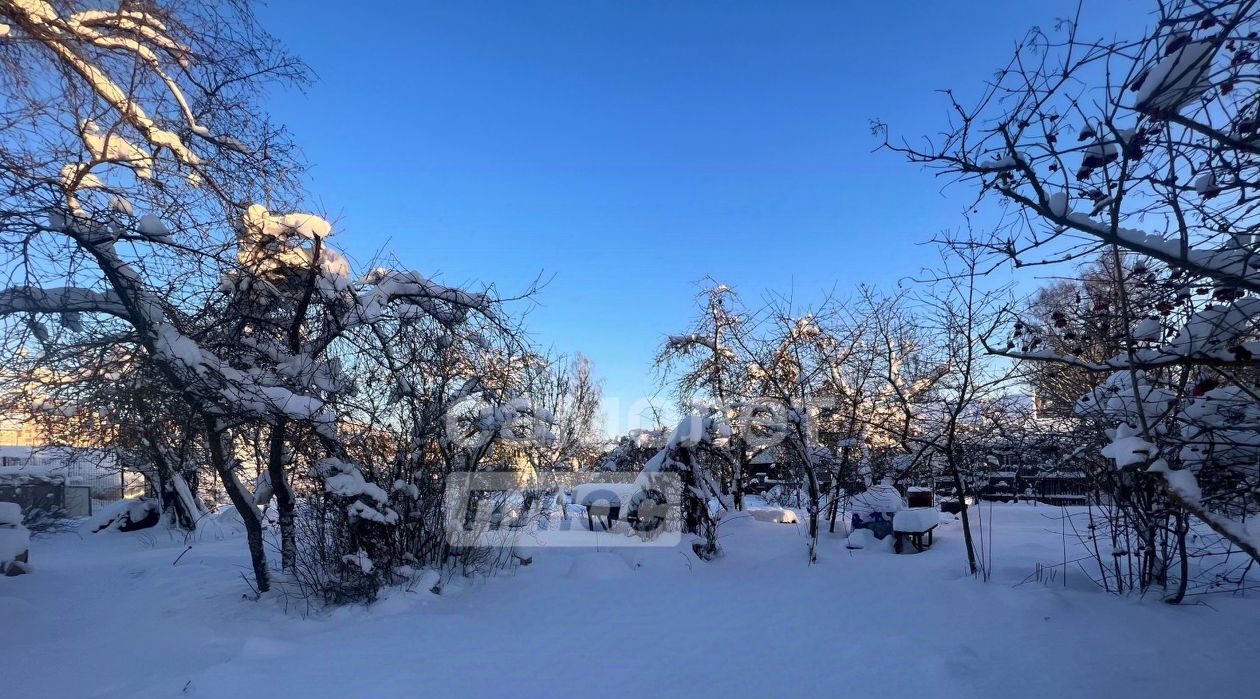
[200, 330]
[125, 516]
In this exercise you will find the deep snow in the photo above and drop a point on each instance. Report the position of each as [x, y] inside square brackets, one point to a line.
[112, 615]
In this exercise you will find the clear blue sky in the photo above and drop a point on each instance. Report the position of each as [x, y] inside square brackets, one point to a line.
[627, 149]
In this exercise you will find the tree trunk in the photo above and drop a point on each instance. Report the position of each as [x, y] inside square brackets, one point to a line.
[696, 518]
[835, 495]
[811, 479]
[178, 504]
[241, 500]
[175, 495]
[285, 505]
[1183, 528]
[962, 512]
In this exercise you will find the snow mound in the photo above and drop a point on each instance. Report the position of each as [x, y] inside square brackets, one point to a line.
[779, 515]
[126, 516]
[13, 541]
[862, 539]
[10, 514]
[599, 565]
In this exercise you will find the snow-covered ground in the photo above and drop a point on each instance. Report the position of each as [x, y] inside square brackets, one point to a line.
[114, 615]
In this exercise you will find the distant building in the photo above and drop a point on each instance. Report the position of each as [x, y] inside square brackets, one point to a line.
[61, 479]
[16, 432]
[1013, 475]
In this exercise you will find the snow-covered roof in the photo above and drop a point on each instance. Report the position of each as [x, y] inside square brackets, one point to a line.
[766, 457]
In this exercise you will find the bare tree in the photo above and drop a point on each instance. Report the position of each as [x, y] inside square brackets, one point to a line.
[1081, 140]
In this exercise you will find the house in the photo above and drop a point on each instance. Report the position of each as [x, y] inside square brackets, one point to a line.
[1013, 476]
[765, 472]
[773, 467]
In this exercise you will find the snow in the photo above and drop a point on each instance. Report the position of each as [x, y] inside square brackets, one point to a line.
[691, 430]
[1183, 484]
[1059, 204]
[684, 342]
[360, 560]
[778, 515]
[1223, 262]
[445, 304]
[1117, 400]
[598, 565]
[120, 514]
[866, 539]
[916, 519]
[1148, 329]
[842, 627]
[346, 480]
[175, 346]
[768, 456]
[878, 498]
[13, 541]
[1181, 481]
[151, 226]
[1205, 183]
[261, 222]
[618, 493]
[120, 205]
[116, 148]
[1004, 163]
[86, 180]
[14, 537]
[1177, 79]
[1212, 328]
[1129, 448]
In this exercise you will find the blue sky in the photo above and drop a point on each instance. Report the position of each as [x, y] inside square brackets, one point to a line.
[624, 150]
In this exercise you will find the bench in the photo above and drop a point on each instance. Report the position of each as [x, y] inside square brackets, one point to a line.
[912, 524]
[643, 508]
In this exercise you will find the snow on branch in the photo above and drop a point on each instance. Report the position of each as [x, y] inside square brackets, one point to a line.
[65, 36]
[683, 343]
[445, 304]
[30, 299]
[1183, 487]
